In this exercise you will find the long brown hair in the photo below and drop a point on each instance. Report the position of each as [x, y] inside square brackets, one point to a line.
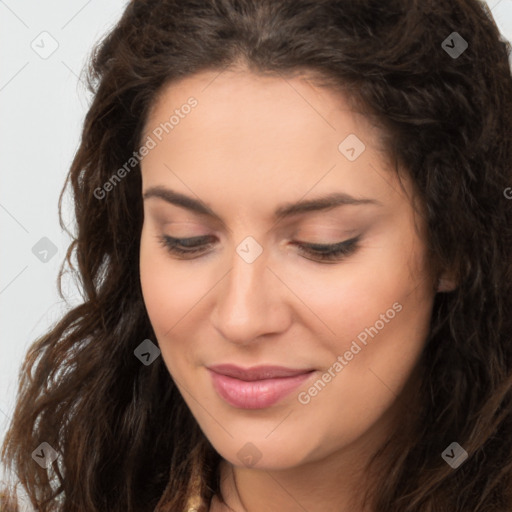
[126, 441]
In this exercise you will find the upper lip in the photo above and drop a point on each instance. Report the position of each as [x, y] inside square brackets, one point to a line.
[257, 372]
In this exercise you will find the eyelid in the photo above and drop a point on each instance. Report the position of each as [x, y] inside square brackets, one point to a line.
[320, 247]
[323, 252]
[330, 252]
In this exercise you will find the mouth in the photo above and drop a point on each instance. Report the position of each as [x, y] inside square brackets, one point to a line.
[258, 387]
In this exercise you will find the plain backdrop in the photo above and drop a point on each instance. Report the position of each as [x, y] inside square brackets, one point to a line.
[43, 48]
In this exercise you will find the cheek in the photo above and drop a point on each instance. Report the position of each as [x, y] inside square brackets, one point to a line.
[379, 316]
[375, 307]
[169, 288]
[341, 300]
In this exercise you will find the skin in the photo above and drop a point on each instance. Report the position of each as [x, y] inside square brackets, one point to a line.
[251, 144]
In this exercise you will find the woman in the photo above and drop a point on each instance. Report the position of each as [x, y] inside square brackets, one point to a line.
[294, 240]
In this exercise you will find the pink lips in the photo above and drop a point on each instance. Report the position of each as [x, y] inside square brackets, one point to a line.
[258, 387]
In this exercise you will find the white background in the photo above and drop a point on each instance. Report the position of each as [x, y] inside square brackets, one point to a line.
[42, 104]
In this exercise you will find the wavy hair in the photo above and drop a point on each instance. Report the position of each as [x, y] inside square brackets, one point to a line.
[125, 437]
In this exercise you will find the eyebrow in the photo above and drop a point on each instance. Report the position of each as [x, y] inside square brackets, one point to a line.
[321, 203]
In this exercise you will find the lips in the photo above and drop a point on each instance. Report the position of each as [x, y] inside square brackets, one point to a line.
[258, 387]
[257, 372]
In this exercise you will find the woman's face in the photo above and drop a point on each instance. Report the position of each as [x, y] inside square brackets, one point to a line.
[227, 153]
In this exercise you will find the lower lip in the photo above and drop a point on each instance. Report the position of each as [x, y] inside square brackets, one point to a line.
[256, 394]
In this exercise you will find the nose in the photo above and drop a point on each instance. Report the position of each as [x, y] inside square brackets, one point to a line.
[250, 302]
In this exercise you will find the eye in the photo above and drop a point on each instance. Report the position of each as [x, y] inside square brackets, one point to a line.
[328, 252]
[316, 252]
[185, 246]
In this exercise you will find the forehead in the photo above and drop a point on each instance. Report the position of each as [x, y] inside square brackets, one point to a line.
[237, 99]
[255, 136]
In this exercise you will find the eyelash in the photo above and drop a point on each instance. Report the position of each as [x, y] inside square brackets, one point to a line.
[320, 252]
